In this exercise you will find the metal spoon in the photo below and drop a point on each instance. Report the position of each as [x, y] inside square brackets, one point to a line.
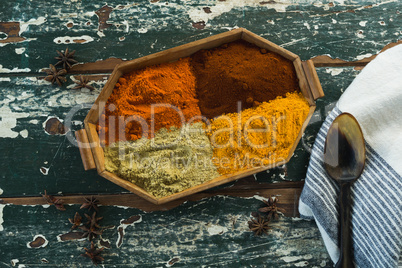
[344, 159]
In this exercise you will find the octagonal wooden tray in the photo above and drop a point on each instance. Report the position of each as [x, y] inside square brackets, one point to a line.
[88, 139]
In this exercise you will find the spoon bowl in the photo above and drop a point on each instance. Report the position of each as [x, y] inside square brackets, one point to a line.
[344, 160]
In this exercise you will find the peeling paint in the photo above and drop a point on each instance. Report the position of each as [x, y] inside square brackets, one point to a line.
[104, 242]
[295, 41]
[83, 39]
[39, 241]
[20, 50]
[24, 133]
[76, 236]
[198, 14]
[124, 223]
[301, 264]
[216, 229]
[44, 170]
[259, 197]
[100, 34]
[24, 25]
[5, 79]
[334, 71]
[363, 23]
[296, 258]
[127, 25]
[14, 70]
[54, 126]
[89, 13]
[14, 262]
[123, 207]
[103, 15]
[69, 24]
[1, 217]
[360, 57]
[25, 96]
[1, 191]
[172, 261]
[8, 121]
[360, 34]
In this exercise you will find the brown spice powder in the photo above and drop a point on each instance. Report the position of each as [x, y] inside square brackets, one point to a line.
[240, 71]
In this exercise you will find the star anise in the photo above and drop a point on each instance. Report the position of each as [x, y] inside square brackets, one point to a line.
[54, 75]
[83, 82]
[90, 232]
[271, 208]
[66, 59]
[93, 220]
[51, 200]
[94, 254]
[76, 221]
[92, 228]
[90, 203]
[259, 225]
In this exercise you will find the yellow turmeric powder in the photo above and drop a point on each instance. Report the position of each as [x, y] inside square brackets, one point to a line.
[257, 136]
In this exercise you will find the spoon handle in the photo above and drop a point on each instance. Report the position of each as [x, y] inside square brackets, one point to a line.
[346, 256]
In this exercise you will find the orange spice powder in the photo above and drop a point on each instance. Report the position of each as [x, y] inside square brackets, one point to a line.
[162, 89]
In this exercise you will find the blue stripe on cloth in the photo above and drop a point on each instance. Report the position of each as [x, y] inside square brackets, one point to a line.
[377, 206]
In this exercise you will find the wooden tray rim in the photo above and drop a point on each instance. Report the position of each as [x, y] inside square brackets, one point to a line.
[171, 55]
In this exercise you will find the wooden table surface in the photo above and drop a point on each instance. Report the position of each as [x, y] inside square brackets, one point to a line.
[208, 229]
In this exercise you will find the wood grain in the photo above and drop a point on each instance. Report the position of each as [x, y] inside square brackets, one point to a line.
[302, 129]
[264, 43]
[11, 29]
[107, 66]
[326, 61]
[304, 87]
[288, 192]
[85, 150]
[97, 151]
[129, 186]
[312, 79]
[178, 52]
[101, 66]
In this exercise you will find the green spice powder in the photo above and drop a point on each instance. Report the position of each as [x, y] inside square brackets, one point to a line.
[170, 162]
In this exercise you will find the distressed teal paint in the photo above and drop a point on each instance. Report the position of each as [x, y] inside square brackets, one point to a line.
[170, 25]
[22, 158]
[181, 232]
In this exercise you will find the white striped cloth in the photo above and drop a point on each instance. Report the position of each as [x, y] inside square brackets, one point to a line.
[375, 99]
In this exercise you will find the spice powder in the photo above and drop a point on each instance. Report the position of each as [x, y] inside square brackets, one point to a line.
[170, 162]
[138, 93]
[258, 136]
[249, 97]
[240, 72]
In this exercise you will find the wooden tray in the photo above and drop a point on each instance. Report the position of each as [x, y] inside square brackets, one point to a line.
[88, 139]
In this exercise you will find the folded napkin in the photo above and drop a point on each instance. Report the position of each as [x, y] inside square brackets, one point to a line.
[375, 100]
